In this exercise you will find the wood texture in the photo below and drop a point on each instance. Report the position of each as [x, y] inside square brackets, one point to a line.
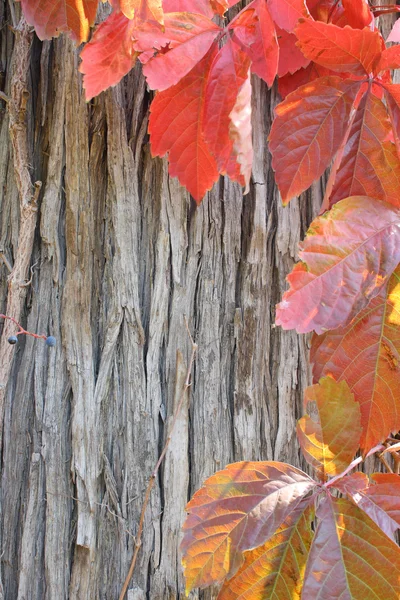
[122, 255]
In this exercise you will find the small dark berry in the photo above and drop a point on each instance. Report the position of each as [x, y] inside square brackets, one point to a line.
[51, 341]
[12, 339]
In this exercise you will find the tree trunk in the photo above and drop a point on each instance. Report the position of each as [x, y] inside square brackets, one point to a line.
[120, 255]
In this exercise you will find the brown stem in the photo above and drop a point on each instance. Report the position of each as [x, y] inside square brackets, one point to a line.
[153, 475]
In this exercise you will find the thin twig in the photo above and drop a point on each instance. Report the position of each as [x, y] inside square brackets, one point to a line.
[153, 476]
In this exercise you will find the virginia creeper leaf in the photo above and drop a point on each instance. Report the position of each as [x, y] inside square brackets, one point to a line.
[348, 255]
[381, 500]
[392, 97]
[229, 71]
[240, 133]
[366, 354]
[355, 51]
[237, 509]
[185, 40]
[390, 59]
[201, 7]
[286, 13]
[370, 164]
[274, 571]
[176, 128]
[330, 437]
[307, 131]
[350, 558]
[51, 17]
[141, 9]
[291, 59]
[358, 13]
[109, 55]
[254, 30]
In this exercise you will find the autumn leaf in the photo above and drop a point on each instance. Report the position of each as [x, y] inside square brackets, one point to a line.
[240, 133]
[254, 30]
[366, 354]
[176, 128]
[380, 501]
[350, 556]
[142, 9]
[237, 509]
[370, 165]
[228, 73]
[357, 13]
[330, 437]
[348, 255]
[184, 41]
[286, 13]
[202, 7]
[291, 59]
[307, 131]
[109, 55]
[51, 17]
[275, 570]
[355, 51]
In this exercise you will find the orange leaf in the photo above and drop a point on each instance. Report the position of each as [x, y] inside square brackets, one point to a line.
[275, 570]
[286, 13]
[51, 17]
[370, 164]
[329, 438]
[229, 71]
[185, 40]
[307, 131]
[350, 558]
[254, 30]
[237, 509]
[176, 128]
[348, 255]
[108, 56]
[358, 13]
[355, 51]
[366, 354]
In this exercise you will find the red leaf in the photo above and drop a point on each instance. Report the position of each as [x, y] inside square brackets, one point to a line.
[358, 14]
[340, 49]
[228, 73]
[348, 255]
[366, 354]
[51, 17]
[381, 500]
[176, 128]
[275, 569]
[202, 7]
[291, 59]
[240, 133]
[237, 509]
[186, 40]
[286, 13]
[307, 131]
[142, 9]
[350, 556]
[329, 438]
[254, 30]
[370, 164]
[390, 59]
[392, 96]
[108, 56]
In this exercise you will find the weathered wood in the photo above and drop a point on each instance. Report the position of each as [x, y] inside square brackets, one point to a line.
[123, 254]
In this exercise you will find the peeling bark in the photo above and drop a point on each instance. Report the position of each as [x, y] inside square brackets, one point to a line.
[122, 255]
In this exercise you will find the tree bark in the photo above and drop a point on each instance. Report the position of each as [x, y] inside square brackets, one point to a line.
[122, 254]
